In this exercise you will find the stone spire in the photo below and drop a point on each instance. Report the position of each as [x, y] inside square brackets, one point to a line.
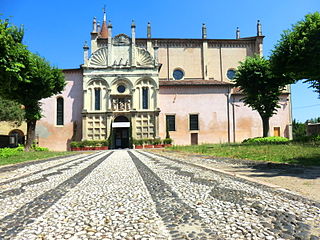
[104, 29]
[204, 31]
[149, 30]
[259, 28]
[238, 33]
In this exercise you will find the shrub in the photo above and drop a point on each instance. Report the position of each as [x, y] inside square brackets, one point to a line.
[156, 141]
[264, 140]
[40, 149]
[308, 139]
[167, 141]
[7, 152]
[147, 141]
[74, 144]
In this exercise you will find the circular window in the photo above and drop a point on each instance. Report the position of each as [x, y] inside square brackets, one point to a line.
[231, 73]
[121, 88]
[178, 74]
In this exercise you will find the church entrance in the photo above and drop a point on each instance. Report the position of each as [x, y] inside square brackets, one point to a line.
[121, 128]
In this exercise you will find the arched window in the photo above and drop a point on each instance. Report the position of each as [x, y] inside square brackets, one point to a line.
[60, 111]
[97, 103]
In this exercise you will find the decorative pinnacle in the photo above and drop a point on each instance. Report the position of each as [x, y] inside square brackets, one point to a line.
[85, 45]
[133, 25]
[259, 28]
[204, 31]
[104, 13]
[109, 24]
[238, 33]
[149, 30]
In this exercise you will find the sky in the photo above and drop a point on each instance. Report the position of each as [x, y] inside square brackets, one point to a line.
[57, 29]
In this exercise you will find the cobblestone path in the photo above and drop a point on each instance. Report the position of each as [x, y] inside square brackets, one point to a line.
[138, 195]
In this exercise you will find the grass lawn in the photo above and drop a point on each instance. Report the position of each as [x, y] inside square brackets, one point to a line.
[282, 153]
[28, 156]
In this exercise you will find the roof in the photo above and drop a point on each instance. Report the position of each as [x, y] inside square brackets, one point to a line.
[104, 30]
[193, 83]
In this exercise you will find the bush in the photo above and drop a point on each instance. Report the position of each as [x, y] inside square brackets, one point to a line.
[90, 143]
[137, 142]
[156, 141]
[147, 141]
[167, 141]
[308, 139]
[74, 144]
[261, 140]
[40, 149]
[7, 152]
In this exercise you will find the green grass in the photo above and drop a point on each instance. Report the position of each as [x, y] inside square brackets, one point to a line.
[28, 156]
[281, 153]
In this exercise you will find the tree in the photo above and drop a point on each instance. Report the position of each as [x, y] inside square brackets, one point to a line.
[29, 80]
[298, 129]
[13, 55]
[296, 55]
[11, 111]
[261, 88]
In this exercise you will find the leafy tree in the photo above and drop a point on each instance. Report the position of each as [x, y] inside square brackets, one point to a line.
[261, 88]
[314, 120]
[28, 80]
[296, 55]
[298, 129]
[13, 55]
[11, 111]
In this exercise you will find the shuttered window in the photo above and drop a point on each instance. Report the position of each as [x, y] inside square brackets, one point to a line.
[60, 110]
[194, 121]
[171, 122]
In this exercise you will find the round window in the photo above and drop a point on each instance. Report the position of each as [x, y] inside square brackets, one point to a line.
[231, 74]
[121, 89]
[178, 74]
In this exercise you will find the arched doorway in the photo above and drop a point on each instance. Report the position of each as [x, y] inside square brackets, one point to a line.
[19, 135]
[121, 128]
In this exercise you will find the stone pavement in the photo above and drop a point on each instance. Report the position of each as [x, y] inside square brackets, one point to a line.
[139, 195]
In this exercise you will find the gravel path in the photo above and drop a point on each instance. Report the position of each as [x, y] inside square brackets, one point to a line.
[138, 195]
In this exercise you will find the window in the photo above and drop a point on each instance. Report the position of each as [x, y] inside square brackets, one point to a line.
[97, 93]
[171, 122]
[145, 97]
[60, 111]
[194, 121]
[121, 89]
[231, 73]
[178, 74]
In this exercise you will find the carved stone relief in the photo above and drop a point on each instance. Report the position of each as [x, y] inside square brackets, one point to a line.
[121, 104]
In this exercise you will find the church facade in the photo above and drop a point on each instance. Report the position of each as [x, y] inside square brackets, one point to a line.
[142, 88]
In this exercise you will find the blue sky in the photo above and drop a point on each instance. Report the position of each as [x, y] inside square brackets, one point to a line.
[57, 29]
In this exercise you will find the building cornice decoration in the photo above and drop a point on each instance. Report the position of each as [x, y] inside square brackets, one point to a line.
[143, 57]
[121, 40]
[99, 57]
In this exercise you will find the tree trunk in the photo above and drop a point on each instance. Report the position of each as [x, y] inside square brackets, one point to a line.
[31, 132]
[265, 126]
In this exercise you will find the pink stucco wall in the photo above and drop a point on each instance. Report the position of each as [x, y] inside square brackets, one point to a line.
[211, 105]
[58, 138]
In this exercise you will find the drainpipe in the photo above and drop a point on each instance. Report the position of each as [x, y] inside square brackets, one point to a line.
[233, 120]
[228, 112]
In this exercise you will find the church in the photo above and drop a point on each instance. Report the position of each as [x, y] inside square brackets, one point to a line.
[144, 88]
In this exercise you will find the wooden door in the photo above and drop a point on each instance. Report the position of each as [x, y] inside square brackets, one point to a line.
[194, 138]
[276, 131]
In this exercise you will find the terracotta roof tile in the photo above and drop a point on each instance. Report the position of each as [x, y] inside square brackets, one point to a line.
[104, 30]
